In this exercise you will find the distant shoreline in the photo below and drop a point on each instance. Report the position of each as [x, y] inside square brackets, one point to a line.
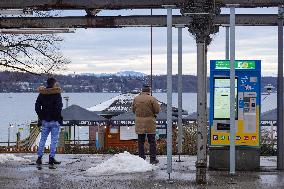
[26, 83]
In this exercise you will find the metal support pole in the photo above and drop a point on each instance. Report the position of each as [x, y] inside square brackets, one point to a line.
[180, 89]
[272, 134]
[74, 133]
[232, 90]
[78, 134]
[206, 87]
[280, 119]
[151, 78]
[9, 130]
[201, 163]
[169, 89]
[227, 42]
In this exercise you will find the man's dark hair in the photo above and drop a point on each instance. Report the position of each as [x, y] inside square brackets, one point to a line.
[146, 88]
[50, 82]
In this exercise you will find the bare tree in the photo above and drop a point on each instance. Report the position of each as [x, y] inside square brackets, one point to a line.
[33, 53]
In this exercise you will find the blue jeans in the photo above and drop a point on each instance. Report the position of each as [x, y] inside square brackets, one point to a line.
[49, 127]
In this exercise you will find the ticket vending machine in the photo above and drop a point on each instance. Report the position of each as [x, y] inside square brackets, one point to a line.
[247, 114]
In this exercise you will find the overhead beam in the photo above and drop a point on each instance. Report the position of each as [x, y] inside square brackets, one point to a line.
[128, 21]
[37, 31]
[252, 3]
[249, 20]
[121, 4]
[86, 4]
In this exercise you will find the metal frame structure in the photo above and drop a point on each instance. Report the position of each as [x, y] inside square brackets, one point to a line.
[124, 4]
[18, 12]
[37, 31]
[130, 21]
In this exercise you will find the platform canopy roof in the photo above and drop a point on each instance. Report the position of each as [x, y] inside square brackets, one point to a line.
[121, 104]
[76, 115]
[270, 115]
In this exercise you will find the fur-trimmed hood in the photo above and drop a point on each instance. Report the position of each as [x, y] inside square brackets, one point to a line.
[49, 91]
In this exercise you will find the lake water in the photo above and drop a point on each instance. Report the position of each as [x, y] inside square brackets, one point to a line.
[18, 108]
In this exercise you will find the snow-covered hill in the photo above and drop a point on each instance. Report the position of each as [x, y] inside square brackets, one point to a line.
[121, 74]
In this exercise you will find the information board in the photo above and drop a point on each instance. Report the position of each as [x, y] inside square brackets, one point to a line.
[128, 133]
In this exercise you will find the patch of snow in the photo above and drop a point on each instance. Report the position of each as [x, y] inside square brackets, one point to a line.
[268, 102]
[11, 157]
[102, 106]
[121, 163]
[29, 156]
[119, 74]
[130, 74]
[120, 100]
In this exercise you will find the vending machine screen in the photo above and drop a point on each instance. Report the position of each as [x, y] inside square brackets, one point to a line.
[222, 98]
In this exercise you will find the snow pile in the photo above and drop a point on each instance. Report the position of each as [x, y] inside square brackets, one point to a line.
[10, 157]
[119, 103]
[121, 163]
[103, 105]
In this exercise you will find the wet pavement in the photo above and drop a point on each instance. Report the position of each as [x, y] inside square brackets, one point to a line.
[72, 174]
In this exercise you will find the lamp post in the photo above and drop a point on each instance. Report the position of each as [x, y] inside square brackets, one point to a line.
[66, 98]
[67, 130]
[9, 131]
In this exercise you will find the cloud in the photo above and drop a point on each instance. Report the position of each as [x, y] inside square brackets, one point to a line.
[112, 50]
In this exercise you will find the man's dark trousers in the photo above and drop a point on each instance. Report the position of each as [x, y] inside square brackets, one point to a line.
[151, 141]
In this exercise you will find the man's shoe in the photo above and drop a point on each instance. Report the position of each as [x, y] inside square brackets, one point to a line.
[39, 160]
[52, 161]
[154, 161]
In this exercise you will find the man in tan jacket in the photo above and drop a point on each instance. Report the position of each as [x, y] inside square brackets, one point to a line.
[145, 108]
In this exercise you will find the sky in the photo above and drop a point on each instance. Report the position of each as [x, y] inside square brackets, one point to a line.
[114, 50]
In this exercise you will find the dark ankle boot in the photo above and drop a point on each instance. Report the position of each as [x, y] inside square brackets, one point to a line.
[154, 161]
[39, 160]
[52, 161]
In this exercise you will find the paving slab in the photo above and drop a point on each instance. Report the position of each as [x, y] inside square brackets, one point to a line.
[72, 174]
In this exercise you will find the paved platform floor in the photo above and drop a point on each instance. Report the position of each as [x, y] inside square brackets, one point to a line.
[72, 174]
